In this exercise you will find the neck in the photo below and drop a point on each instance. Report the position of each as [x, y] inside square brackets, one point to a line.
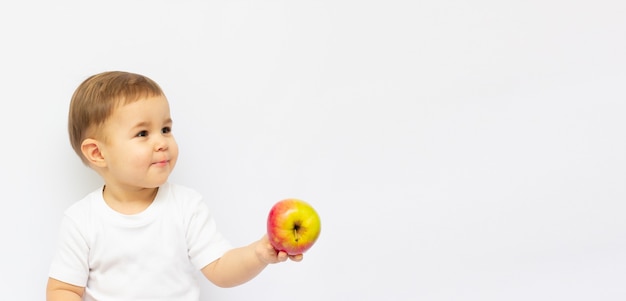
[128, 200]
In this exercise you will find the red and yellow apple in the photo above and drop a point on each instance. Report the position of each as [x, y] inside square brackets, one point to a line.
[293, 226]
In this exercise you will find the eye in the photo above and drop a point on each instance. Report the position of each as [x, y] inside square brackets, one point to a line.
[166, 130]
[142, 134]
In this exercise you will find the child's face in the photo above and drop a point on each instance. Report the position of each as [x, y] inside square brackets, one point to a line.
[139, 148]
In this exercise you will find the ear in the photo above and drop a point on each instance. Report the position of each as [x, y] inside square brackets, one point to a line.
[92, 152]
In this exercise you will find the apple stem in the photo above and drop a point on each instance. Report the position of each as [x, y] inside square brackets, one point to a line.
[296, 227]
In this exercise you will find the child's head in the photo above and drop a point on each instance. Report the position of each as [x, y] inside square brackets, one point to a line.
[96, 98]
[120, 125]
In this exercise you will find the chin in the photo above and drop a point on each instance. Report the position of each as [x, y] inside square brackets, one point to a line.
[154, 184]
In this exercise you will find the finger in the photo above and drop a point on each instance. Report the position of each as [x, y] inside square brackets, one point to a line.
[282, 256]
[296, 258]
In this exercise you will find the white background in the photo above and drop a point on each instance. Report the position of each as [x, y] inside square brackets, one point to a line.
[455, 150]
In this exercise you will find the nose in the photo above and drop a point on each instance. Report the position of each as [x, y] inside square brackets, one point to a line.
[161, 144]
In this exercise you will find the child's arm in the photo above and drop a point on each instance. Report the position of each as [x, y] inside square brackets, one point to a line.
[61, 291]
[239, 265]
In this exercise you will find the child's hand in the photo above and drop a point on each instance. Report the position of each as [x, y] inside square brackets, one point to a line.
[267, 254]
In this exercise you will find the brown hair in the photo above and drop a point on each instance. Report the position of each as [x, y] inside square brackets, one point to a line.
[96, 97]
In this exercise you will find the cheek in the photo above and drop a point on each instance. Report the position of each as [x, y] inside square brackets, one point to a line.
[173, 152]
[136, 156]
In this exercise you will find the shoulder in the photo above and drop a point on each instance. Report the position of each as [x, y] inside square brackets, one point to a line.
[85, 207]
[180, 196]
[78, 219]
[181, 190]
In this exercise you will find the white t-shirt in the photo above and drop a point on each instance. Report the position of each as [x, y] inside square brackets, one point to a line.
[153, 255]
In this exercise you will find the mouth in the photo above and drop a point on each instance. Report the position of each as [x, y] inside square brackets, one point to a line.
[161, 163]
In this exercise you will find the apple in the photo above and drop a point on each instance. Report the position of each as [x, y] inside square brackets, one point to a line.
[293, 226]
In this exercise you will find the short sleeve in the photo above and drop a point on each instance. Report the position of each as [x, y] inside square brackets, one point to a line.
[205, 243]
[70, 263]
